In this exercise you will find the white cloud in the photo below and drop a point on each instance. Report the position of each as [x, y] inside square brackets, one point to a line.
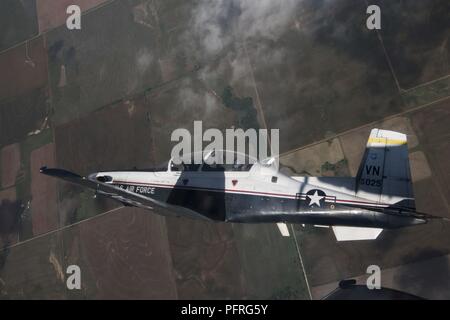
[216, 22]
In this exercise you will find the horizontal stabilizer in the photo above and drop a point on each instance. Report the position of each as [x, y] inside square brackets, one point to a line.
[356, 233]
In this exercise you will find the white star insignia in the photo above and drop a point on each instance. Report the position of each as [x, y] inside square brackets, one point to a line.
[315, 199]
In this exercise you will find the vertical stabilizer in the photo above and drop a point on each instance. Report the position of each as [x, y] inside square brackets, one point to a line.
[384, 174]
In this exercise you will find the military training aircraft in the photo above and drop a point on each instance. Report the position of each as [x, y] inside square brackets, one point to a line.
[357, 208]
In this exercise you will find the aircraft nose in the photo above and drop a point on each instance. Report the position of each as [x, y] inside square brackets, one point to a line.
[92, 176]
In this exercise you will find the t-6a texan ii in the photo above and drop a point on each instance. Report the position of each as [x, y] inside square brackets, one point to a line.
[379, 197]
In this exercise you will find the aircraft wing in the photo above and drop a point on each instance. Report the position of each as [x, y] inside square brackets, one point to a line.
[124, 196]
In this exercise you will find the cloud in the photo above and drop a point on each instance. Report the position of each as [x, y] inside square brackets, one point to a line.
[217, 22]
[266, 18]
[144, 60]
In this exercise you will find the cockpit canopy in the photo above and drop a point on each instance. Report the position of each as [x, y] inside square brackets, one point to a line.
[213, 160]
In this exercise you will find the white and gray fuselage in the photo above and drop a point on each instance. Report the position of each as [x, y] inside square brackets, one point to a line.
[260, 193]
